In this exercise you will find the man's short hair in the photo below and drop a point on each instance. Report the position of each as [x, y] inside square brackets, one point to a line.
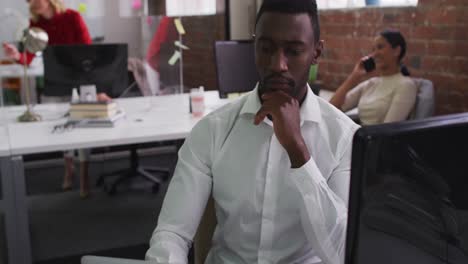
[293, 7]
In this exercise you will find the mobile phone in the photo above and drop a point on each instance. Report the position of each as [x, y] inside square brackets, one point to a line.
[369, 64]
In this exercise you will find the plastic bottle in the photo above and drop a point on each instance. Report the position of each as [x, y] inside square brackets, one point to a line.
[75, 97]
[197, 98]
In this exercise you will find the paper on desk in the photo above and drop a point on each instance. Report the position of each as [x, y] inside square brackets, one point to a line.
[175, 57]
[180, 45]
[179, 26]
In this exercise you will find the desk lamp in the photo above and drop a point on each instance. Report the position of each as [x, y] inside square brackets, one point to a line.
[34, 40]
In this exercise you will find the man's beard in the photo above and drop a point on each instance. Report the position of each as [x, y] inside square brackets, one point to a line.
[264, 85]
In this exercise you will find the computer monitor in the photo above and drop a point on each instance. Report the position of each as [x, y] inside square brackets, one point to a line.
[69, 66]
[235, 66]
[409, 193]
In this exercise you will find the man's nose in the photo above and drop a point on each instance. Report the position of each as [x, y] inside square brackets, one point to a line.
[279, 62]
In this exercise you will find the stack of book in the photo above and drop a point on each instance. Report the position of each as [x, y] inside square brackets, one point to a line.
[95, 114]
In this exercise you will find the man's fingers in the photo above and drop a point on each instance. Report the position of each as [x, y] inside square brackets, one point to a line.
[261, 114]
[266, 96]
[272, 94]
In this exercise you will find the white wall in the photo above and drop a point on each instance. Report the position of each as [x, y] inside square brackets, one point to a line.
[9, 28]
[122, 29]
[94, 15]
[242, 18]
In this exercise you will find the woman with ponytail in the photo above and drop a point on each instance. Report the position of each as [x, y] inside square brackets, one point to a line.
[388, 94]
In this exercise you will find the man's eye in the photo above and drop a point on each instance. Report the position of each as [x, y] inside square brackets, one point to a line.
[265, 48]
[293, 52]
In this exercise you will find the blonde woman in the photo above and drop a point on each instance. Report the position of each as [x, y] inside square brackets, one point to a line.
[64, 26]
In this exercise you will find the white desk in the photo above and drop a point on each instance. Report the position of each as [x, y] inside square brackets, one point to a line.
[149, 119]
[16, 70]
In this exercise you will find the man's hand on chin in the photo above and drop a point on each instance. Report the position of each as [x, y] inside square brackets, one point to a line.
[284, 112]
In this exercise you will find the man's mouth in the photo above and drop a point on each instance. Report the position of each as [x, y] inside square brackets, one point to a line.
[278, 84]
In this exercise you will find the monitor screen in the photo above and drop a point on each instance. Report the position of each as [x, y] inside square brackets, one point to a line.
[69, 66]
[235, 65]
[408, 198]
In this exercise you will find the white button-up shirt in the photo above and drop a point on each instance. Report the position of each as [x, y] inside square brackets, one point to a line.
[266, 211]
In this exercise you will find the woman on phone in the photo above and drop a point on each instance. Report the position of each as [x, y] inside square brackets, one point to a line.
[388, 94]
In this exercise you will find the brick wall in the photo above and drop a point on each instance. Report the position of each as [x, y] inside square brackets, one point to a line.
[199, 62]
[437, 36]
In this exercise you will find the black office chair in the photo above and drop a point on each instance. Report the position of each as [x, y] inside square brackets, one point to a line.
[235, 66]
[155, 175]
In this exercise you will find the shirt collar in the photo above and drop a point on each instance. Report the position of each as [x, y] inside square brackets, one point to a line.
[310, 109]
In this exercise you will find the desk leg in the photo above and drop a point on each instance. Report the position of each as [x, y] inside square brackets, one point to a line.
[14, 252]
[23, 240]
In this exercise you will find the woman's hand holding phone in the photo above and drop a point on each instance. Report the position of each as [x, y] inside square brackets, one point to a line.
[369, 64]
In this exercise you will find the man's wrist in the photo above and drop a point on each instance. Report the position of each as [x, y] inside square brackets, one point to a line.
[298, 154]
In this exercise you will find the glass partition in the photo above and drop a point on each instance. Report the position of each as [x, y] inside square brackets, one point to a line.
[155, 52]
[162, 56]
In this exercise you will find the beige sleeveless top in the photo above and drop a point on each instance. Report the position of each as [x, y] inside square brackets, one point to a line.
[383, 99]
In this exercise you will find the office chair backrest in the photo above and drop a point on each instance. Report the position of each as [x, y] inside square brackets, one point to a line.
[235, 66]
[425, 99]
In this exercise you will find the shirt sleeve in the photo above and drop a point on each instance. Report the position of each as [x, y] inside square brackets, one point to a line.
[185, 200]
[353, 96]
[26, 59]
[324, 204]
[402, 103]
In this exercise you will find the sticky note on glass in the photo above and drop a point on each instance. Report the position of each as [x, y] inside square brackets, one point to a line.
[179, 26]
[82, 8]
[136, 4]
[175, 57]
[180, 45]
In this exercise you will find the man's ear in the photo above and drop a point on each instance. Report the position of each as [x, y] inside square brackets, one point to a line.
[397, 51]
[318, 51]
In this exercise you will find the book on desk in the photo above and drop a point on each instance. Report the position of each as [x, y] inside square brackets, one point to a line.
[95, 114]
